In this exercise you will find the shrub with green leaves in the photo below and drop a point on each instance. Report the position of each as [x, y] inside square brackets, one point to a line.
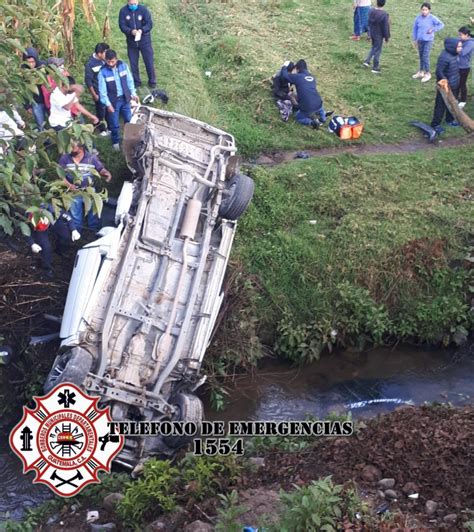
[155, 490]
[318, 507]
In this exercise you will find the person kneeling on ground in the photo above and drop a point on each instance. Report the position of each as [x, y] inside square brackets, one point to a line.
[309, 100]
[64, 230]
[447, 68]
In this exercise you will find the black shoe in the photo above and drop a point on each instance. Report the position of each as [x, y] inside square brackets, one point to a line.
[329, 113]
[158, 93]
[315, 124]
[152, 85]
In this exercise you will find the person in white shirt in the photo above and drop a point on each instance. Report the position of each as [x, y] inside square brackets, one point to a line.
[64, 98]
[11, 124]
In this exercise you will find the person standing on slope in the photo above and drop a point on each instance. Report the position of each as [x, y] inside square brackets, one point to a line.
[136, 23]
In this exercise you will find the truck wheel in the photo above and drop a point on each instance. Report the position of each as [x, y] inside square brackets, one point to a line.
[188, 408]
[236, 197]
[72, 366]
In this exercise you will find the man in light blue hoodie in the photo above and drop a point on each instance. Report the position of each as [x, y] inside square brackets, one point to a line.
[465, 58]
[424, 28]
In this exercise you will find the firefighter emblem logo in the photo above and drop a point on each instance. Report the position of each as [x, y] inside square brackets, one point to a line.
[65, 440]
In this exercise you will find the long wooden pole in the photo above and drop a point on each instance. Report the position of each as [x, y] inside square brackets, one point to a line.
[452, 104]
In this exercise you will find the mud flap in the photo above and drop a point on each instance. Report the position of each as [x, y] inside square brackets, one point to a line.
[132, 136]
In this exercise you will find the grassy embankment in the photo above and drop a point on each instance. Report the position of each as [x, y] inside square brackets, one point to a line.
[385, 259]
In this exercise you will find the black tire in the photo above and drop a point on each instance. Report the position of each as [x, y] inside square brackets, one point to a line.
[237, 196]
[72, 366]
[188, 408]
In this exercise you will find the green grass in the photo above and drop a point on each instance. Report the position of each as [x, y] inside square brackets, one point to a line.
[387, 233]
[244, 43]
[383, 259]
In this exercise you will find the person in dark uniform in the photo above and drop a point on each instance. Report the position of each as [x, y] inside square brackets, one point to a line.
[64, 229]
[311, 111]
[135, 21]
[91, 74]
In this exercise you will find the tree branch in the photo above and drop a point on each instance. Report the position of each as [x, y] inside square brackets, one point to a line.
[452, 104]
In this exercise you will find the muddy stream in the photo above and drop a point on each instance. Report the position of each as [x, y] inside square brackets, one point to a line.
[367, 384]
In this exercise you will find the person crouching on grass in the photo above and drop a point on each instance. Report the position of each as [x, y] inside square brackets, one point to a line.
[311, 111]
[379, 29]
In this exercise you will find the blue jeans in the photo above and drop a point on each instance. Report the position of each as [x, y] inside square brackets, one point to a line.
[77, 214]
[307, 119]
[424, 50]
[39, 114]
[121, 108]
[375, 52]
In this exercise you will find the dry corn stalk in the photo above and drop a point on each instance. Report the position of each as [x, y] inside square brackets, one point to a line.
[106, 29]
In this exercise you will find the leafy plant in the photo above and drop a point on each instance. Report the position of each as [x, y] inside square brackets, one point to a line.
[317, 507]
[153, 491]
[229, 512]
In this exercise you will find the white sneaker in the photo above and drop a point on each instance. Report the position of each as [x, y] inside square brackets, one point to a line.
[461, 105]
[418, 75]
[116, 147]
[105, 133]
[426, 77]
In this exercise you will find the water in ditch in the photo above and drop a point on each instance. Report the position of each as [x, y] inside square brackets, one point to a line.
[366, 384]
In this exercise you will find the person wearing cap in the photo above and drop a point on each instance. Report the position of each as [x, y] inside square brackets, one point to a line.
[91, 80]
[36, 106]
[136, 23]
[116, 90]
[80, 161]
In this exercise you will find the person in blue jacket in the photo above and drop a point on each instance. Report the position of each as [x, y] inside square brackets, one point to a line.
[309, 100]
[136, 23]
[447, 68]
[465, 58]
[116, 90]
[424, 29]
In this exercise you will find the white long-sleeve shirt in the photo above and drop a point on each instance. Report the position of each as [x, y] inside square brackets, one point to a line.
[10, 126]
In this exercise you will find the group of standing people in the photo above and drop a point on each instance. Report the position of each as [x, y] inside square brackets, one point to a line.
[454, 62]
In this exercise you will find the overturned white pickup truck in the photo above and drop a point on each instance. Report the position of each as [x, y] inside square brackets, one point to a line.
[144, 297]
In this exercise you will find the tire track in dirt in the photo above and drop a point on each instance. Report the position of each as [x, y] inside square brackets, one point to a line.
[273, 158]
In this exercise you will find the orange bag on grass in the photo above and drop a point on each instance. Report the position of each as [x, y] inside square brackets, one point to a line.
[346, 128]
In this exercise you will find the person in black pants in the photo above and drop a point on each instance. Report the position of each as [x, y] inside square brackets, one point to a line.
[136, 23]
[465, 58]
[447, 68]
[379, 29]
[91, 72]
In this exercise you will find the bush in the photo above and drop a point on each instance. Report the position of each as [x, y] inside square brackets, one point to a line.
[320, 506]
[154, 491]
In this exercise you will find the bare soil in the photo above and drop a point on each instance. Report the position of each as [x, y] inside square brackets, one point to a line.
[276, 157]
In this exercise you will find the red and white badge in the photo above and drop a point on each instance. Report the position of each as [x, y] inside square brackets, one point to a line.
[66, 440]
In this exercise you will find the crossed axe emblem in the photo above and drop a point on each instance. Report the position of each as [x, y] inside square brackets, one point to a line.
[62, 481]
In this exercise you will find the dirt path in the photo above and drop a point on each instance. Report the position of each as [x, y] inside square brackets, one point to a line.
[277, 157]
